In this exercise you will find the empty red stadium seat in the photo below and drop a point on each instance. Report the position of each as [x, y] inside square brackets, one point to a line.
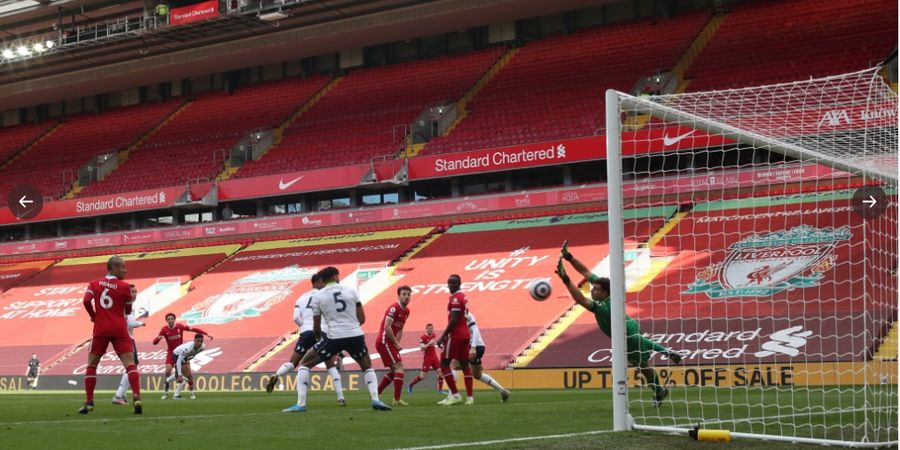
[354, 122]
[780, 41]
[52, 164]
[553, 88]
[198, 140]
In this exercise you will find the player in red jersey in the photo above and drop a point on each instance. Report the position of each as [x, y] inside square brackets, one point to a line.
[108, 300]
[173, 333]
[456, 343]
[388, 343]
[428, 345]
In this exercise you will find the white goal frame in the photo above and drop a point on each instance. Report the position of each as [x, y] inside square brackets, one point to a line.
[619, 102]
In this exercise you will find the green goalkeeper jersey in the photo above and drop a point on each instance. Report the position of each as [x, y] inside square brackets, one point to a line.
[601, 310]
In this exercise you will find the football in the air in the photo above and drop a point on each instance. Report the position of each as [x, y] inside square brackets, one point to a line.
[539, 288]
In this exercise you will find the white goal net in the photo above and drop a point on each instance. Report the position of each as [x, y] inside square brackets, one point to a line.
[776, 280]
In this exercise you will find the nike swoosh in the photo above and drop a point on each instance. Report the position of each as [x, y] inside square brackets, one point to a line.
[667, 141]
[282, 185]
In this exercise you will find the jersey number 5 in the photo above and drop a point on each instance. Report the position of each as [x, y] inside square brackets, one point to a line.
[342, 304]
[105, 300]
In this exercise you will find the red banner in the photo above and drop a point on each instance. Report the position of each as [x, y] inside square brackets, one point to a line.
[563, 151]
[507, 158]
[100, 205]
[289, 183]
[194, 13]
[221, 356]
[715, 340]
[788, 173]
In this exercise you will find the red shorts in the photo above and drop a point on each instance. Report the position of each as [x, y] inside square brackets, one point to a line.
[170, 357]
[429, 364]
[389, 354]
[457, 349]
[120, 344]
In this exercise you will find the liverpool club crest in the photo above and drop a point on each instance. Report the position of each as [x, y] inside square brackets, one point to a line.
[764, 265]
[249, 296]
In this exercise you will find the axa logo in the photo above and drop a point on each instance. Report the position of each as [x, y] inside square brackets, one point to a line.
[834, 118]
[788, 342]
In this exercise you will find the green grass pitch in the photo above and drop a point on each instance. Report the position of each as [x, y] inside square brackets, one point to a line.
[224, 420]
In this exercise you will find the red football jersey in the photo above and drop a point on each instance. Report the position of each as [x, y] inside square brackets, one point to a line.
[459, 303]
[111, 297]
[175, 335]
[430, 352]
[399, 314]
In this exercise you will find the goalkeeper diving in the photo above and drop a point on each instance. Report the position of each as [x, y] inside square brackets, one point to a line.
[639, 349]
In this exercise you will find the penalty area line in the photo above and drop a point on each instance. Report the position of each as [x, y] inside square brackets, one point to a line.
[506, 441]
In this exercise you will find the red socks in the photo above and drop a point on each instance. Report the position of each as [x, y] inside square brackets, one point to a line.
[417, 379]
[388, 378]
[134, 378]
[448, 377]
[90, 382]
[467, 375]
[398, 384]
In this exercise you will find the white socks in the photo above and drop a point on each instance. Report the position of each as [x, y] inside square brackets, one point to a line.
[372, 383]
[178, 388]
[285, 369]
[490, 381]
[336, 381]
[302, 385]
[123, 386]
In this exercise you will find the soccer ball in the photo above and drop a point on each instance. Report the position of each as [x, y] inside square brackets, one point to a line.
[539, 288]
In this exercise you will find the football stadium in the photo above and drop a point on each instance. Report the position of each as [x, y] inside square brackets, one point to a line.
[434, 224]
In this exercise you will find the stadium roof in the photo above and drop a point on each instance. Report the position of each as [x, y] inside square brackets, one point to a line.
[230, 41]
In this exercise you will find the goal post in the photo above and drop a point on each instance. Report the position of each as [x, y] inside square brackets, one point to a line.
[776, 280]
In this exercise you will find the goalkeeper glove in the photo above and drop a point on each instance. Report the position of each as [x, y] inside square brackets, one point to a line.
[565, 251]
[561, 271]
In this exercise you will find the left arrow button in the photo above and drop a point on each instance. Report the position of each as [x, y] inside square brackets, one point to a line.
[25, 202]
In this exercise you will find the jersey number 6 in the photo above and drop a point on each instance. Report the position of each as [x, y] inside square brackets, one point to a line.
[105, 300]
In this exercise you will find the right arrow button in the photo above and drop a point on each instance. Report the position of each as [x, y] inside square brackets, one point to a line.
[870, 202]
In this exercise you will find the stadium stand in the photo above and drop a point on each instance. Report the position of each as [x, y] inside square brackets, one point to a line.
[553, 88]
[496, 261]
[688, 289]
[52, 164]
[195, 143]
[778, 41]
[45, 312]
[353, 122]
[14, 139]
[15, 273]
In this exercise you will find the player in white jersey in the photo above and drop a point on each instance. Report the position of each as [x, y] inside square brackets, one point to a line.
[184, 354]
[475, 358]
[303, 317]
[134, 321]
[340, 308]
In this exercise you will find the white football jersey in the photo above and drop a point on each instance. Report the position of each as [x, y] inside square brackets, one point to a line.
[185, 352]
[476, 339]
[303, 312]
[132, 324]
[337, 306]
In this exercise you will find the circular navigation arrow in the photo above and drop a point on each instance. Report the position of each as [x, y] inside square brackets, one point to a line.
[870, 202]
[25, 202]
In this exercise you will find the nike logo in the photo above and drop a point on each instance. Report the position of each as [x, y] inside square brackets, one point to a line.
[282, 185]
[667, 141]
